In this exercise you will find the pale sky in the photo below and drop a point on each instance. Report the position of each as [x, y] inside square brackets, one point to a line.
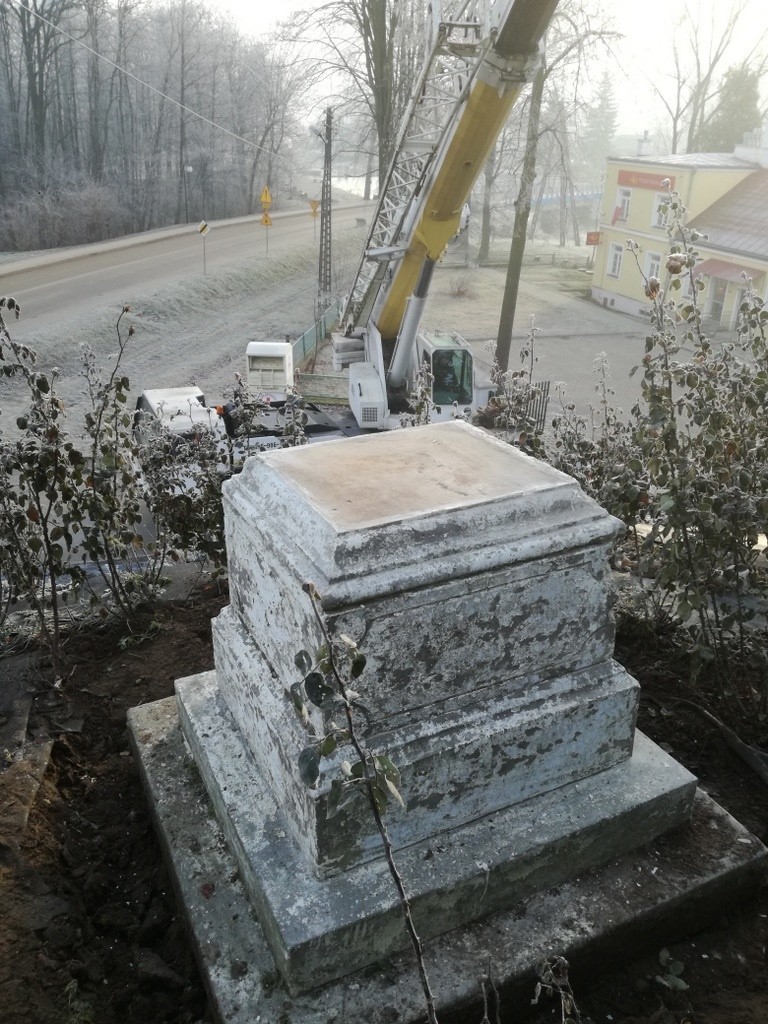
[259, 17]
[645, 24]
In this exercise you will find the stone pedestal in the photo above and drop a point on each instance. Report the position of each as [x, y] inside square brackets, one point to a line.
[473, 578]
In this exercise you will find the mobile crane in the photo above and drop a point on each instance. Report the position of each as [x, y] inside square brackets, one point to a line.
[479, 56]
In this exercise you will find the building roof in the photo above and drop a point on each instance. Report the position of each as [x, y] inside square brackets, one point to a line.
[738, 222]
[711, 161]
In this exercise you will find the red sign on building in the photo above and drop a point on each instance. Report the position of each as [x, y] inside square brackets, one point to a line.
[641, 179]
[594, 237]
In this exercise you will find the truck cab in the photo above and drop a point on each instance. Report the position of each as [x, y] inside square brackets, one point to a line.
[182, 411]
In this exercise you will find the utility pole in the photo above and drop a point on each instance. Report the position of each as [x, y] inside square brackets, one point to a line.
[324, 269]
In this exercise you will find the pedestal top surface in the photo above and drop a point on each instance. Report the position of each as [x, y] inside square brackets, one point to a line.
[377, 478]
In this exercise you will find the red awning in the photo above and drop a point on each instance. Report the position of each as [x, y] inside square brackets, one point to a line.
[726, 271]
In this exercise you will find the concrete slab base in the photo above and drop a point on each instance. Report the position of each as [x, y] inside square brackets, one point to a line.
[320, 929]
[674, 885]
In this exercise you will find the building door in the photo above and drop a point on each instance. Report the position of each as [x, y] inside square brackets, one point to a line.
[719, 288]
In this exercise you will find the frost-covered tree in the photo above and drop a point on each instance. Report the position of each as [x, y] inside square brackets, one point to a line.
[373, 49]
[599, 121]
[688, 87]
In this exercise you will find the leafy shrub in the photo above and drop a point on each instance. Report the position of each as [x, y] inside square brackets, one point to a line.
[691, 461]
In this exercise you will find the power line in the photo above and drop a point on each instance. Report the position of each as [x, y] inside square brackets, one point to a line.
[129, 74]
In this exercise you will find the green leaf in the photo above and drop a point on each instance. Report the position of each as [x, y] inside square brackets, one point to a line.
[387, 768]
[296, 696]
[317, 690]
[380, 798]
[328, 745]
[671, 981]
[303, 662]
[395, 792]
[309, 765]
[341, 794]
[358, 665]
[334, 797]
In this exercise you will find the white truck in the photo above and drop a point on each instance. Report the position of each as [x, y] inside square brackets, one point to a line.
[182, 411]
[238, 432]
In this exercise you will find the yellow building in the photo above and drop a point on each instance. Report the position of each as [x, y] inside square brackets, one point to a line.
[726, 196]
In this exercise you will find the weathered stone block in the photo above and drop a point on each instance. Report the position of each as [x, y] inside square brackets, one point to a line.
[473, 578]
[320, 929]
[470, 756]
[461, 587]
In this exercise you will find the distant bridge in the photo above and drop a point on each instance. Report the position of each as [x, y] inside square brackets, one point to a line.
[555, 199]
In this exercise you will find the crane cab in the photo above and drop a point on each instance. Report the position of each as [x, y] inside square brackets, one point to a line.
[449, 361]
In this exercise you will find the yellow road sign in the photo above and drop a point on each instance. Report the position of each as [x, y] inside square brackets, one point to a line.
[266, 219]
[314, 203]
[203, 228]
[266, 197]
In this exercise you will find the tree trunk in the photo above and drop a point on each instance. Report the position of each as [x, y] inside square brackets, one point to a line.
[182, 200]
[540, 199]
[522, 212]
[485, 222]
[368, 177]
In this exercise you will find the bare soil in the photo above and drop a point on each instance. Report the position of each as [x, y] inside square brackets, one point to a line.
[89, 931]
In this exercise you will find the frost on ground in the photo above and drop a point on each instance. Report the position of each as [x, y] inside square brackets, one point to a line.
[196, 332]
[193, 333]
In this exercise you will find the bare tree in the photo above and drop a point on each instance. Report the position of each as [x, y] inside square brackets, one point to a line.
[574, 34]
[39, 41]
[376, 46]
[699, 49]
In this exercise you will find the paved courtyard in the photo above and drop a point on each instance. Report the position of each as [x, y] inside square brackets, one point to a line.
[573, 331]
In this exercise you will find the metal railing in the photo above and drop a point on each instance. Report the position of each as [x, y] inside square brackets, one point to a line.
[312, 337]
[538, 403]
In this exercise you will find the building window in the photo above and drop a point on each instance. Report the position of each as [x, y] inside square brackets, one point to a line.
[621, 210]
[718, 291]
[660, 214]
[653, 264]
[615, 257]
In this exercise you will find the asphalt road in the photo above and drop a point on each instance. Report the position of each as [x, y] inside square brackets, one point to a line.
[85, 278]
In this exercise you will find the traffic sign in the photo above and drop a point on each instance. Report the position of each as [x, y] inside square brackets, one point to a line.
[314, 204]
[266, 198]
[202, 230]
[266, 219]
